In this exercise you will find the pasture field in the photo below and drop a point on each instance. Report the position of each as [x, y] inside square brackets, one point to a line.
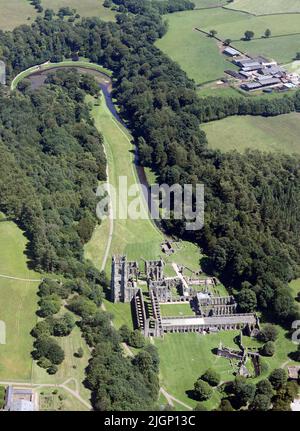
[209, 3]
[83, 7]
[15, 12]
[197, 54]
[276, 134]
[265, 7]
[17, 305]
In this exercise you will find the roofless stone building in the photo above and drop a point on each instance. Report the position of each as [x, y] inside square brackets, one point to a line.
[212, 313]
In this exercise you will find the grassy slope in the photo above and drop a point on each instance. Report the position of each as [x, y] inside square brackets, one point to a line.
[259, 7]
[83, 7]
[135, 238]
[267, 134]
[17, 304]
[15, 12]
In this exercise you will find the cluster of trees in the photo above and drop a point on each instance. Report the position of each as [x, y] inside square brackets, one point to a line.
[118, 382]
[132, 338]
[275, 393]
[217, 107]
[51, 160]
[37, 5]
[252, 200]
[47, 351]
[203, 386]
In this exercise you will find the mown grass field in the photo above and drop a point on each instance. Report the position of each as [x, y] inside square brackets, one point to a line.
[18, 304]
[15, 12]
[262, 7]
[179, 309]
[275, 134]
[185, 357]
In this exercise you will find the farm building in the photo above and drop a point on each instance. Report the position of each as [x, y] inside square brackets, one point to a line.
[250, 86]
[231, 52]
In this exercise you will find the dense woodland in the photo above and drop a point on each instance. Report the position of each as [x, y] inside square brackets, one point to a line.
[252, 200]
[52, 157]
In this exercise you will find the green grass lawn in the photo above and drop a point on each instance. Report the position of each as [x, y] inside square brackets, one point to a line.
[15, 12]
[179, 309]
[276, 134]
[259, 7]
[185, 357]
[83, 7]
[17, 305]
[49, 400]
[72, 367]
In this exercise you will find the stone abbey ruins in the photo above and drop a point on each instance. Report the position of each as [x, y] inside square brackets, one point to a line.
[147, 290]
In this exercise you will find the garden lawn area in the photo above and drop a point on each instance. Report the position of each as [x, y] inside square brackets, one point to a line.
[187, 254]
[71, 368]
[185, 357]
[259, 7]
[84, 8]
[197, 54]
[16, 12]
[121, 313]
[170, 310]
[17, 305]
[275, 134]
[51, 399]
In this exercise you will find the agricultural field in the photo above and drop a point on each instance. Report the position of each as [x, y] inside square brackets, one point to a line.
[18, 303]
[259, 7]
[276, 134]
[18, 12]
[84, 8]
[199, 55]
[15, 12]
